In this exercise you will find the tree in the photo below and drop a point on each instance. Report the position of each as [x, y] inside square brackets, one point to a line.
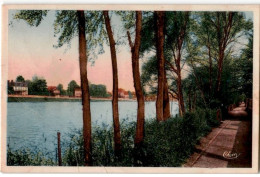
[149, 45]
[71, 87]
[226, 27]
[214, 41]
[10, 88]
[60, 88]
[135, 49]
[98, 90]
[84, 88]
[159, 20]
[176, 34]
[246, 68]
[20, 79]
[38, 86]
[112, 44]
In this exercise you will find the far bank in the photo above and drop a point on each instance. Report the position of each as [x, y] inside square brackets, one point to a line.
[38, 98]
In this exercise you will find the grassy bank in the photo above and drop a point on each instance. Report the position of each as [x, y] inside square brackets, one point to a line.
[57, 99]
[41, 99]
[166, 144]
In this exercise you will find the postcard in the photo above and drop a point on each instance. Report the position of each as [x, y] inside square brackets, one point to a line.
[130, 88]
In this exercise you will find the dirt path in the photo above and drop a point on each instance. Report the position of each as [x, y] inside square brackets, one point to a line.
[228, 145]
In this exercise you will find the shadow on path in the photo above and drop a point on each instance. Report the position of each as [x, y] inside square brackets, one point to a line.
[229, 145]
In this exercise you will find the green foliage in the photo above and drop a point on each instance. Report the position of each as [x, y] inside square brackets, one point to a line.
[38, 86]
[71, 87]
[60, 88]
[32, 17]
[66, 26]
[27, 158]
[98, 90]
[244, 66]
[166, 144]
[20, 79]
[149, 74]
[10, 89]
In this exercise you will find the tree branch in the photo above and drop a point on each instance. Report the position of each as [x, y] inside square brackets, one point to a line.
[171, 66]
[129, 40]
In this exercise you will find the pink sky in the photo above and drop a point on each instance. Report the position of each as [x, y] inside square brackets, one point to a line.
[62, 71]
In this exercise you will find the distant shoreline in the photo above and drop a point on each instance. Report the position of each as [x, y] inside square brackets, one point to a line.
[38, 98]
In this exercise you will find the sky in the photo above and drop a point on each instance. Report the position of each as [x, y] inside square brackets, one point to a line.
[31, 52]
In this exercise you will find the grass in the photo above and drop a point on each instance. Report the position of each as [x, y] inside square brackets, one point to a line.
[166, 144]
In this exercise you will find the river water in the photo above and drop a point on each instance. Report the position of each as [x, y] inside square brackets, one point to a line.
[35, 124]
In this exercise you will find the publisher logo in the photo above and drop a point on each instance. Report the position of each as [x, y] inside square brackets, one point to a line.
[230, 155]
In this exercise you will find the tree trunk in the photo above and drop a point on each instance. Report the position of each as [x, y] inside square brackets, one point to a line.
[117, 136]
[189, 99]
[194, 101]
[180, 94]
[84, 88]
[135, 48]
[223, 38]
[159, 20]
[220, 67]
[210, 69]
[166, 100]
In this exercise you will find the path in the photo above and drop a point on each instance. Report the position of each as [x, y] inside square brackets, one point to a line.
[228, 145]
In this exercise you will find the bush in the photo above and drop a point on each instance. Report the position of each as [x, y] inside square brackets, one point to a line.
[166, 144]
[27, 158]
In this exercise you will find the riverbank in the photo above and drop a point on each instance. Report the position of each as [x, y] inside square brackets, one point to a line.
[38, 98]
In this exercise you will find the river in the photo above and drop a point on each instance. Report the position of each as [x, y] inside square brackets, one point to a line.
[35, 124]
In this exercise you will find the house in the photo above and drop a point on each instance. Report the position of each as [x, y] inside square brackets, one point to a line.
[123, 94]
[19, 88]
[53, 90]
[77, 92]
[126, 95]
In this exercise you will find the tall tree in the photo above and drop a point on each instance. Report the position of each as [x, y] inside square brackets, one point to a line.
[148, 45]
[227, 27]
[159, 32]
[216, 34]
[112, 44]
[84, 87]
[176, 33]
[135, 49]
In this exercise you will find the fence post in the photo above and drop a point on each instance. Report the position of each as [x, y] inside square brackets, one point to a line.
[59, 149]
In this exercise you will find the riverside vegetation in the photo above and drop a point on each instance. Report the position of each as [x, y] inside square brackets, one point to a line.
[160, 148]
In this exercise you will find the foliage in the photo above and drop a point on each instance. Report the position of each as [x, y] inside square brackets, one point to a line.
[60, 88]
[66, 26]
[27, 158]
[38, 86]
[20, 78]
[71, 87]
[32, 17]
[98, 90]
[207, 42]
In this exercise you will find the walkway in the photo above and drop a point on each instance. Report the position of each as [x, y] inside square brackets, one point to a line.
[228, 145]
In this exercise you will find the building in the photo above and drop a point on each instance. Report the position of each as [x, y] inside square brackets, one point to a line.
[18, 88]
[53, 90]
[77, 92]
[122, 93]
